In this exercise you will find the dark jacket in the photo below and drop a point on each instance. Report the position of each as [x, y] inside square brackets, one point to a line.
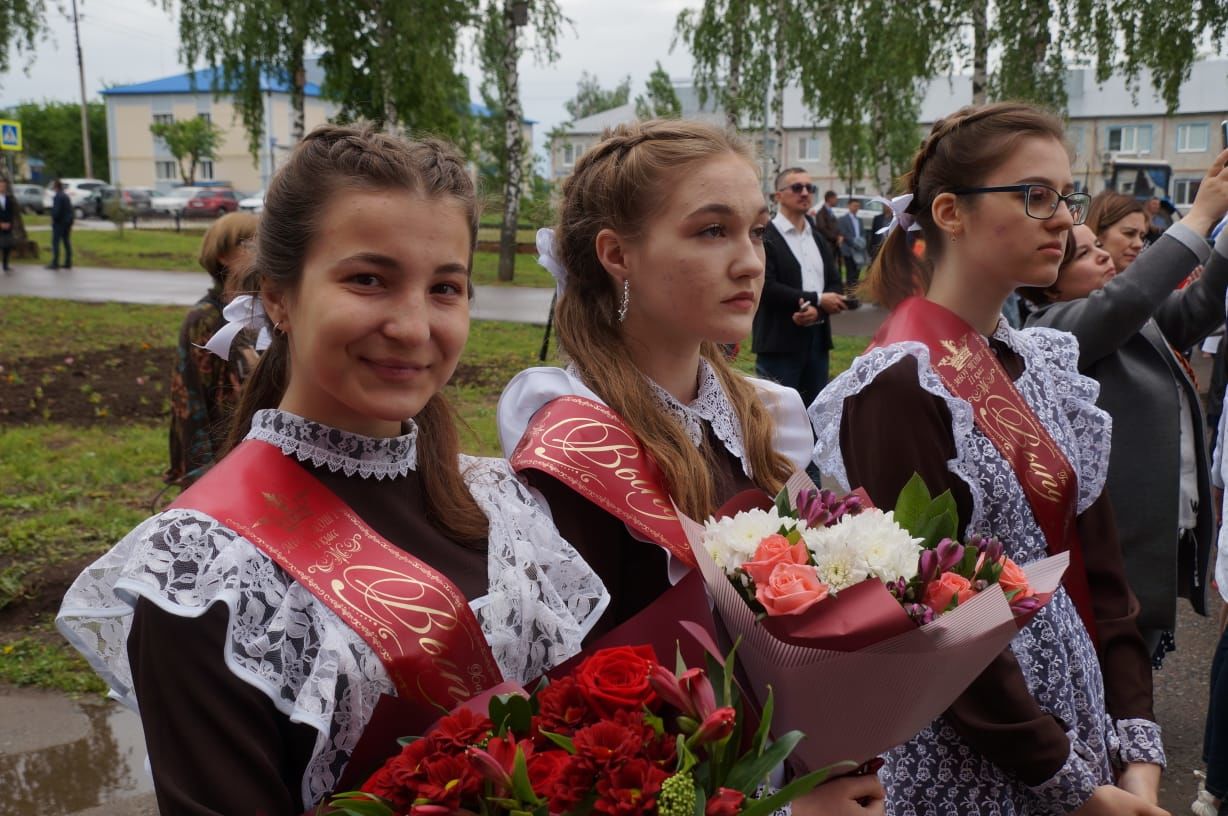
[774, 329]
[1125, 331]
[825, 222]
[8, 212]
[61, 210]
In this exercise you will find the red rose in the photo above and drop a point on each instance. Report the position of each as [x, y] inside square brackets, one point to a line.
[617, 678]
[938, 594]
[725, 802]
[458, 731]
[630, 789]
[562, 709]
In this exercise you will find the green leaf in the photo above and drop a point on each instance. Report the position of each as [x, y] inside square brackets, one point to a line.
[521, 786]
[798, 787]
[563, 742]
[520, 714]
[910, 507]
[701, 800]
[765, 724]
[357, 803]
[783, 505]
[403, 741]
[748, 773]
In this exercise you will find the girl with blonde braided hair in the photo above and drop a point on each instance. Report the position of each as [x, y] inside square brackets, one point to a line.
[1062, 721]
[659, 254]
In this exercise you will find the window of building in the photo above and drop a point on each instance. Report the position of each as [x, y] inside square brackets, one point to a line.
[1130, 139]
[163, 118]
[1193, 138]
[808, 148]
[208, 117]
[569, 154]
[1184, 191]
[166, 171]
[205, 171]
[1074, 134]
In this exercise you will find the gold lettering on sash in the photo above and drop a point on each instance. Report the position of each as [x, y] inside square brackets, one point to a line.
[579, 444]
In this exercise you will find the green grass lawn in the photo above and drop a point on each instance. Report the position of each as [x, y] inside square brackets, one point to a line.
[68, 493]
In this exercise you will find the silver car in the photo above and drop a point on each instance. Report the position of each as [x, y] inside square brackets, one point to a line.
[29, 198]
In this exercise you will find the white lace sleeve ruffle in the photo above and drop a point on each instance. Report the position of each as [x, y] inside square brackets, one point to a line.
[1091, 426]
[827, 411]
[527, 392]
[316, 670]
[544, 598]
[794, 437]
[1070, 788]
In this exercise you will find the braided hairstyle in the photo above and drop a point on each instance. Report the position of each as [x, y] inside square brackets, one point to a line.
[960, 151]
[331, 160]
[622, 184]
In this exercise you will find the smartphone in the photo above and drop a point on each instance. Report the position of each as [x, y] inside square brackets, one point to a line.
[1223, 132]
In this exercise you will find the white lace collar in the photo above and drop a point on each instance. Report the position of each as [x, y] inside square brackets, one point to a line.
[711, 405]
[308, 441]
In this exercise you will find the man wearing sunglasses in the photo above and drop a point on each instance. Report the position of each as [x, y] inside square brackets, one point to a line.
[801, 289]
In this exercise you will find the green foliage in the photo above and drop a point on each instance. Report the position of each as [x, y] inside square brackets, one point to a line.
[591, 98]
[925, 517]
[22, 24]
[733, 43]
[51, 131]
[189, 141]
[659, 100]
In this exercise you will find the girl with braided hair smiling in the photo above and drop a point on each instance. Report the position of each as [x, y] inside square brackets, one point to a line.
[1062, 721]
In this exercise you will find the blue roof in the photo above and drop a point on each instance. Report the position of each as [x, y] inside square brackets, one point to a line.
[204, 78]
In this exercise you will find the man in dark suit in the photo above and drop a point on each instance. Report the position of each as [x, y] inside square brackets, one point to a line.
[61, 227]
[852, 245]
[8, 219]
[801, 289]
[825, 220]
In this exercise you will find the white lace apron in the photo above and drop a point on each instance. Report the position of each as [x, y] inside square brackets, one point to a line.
[543, 597]
[937, 773]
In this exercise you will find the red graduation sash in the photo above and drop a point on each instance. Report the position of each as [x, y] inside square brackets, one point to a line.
[415, 620]
[971, 371]
[589, 448]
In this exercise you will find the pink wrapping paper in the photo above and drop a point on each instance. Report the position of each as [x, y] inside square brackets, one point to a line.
[853, 705]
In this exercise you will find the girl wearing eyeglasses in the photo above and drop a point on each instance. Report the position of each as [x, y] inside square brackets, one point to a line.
[1061, 722]
[1131, 321]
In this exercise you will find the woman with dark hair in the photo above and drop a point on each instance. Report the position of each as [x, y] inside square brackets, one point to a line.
[1131, 322]
[1061, 722]
[343, 549]
[659, 250]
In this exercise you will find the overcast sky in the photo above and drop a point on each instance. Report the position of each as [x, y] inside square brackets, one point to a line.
[129, 41]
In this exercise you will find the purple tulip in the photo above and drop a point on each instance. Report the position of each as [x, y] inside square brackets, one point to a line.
[927, 566]
[950, 553]
[994, 550]
[1024, 606]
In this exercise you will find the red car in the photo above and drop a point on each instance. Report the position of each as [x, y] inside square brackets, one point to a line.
[212, 201]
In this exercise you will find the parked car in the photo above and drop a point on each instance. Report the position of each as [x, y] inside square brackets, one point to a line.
[78, 191]
[175, 201]
[253, 203]
[865, 215]
[138, 200]
[29, 198]
[212, 201]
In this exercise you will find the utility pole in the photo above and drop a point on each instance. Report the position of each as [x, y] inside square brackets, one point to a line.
[85, 117]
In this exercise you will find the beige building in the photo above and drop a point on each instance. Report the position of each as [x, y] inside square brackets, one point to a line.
[1105, 124]
[138, 158]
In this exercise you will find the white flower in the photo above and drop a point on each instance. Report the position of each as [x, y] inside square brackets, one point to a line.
[732, 540]
[867, 545]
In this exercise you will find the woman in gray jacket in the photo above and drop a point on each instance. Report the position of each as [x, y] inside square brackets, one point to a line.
[1129, 326]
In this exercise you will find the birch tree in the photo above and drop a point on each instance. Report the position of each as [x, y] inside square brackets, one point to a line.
[659, 100]
[22, 24]
[499, 54]
[732, 43]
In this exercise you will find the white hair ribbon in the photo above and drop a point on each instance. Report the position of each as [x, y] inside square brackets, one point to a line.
[244, 312]
[548, 260]
[899, 216]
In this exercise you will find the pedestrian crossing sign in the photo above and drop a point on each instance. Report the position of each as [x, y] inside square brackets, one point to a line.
[10, 135]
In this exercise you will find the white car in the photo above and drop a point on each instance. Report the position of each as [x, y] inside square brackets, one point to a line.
[77, 190]
[173, 202]
[253, 203]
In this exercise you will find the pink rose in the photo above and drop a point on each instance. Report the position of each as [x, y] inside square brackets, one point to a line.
[773, 550]
[938, 594]
[791, 589]
[1013, 578]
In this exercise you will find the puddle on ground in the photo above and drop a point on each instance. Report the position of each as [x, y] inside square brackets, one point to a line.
[107, 764]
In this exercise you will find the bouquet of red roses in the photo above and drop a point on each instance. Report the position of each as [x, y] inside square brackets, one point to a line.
[620, 735]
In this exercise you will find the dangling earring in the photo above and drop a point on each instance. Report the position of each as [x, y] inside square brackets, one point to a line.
[622, 309]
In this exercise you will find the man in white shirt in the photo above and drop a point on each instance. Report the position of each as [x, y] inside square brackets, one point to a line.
[801, 288]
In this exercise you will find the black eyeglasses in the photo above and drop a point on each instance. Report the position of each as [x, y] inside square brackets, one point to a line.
[798, 188]
[1039, 200]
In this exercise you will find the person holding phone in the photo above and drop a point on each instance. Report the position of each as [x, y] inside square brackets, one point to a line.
[801, 290]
